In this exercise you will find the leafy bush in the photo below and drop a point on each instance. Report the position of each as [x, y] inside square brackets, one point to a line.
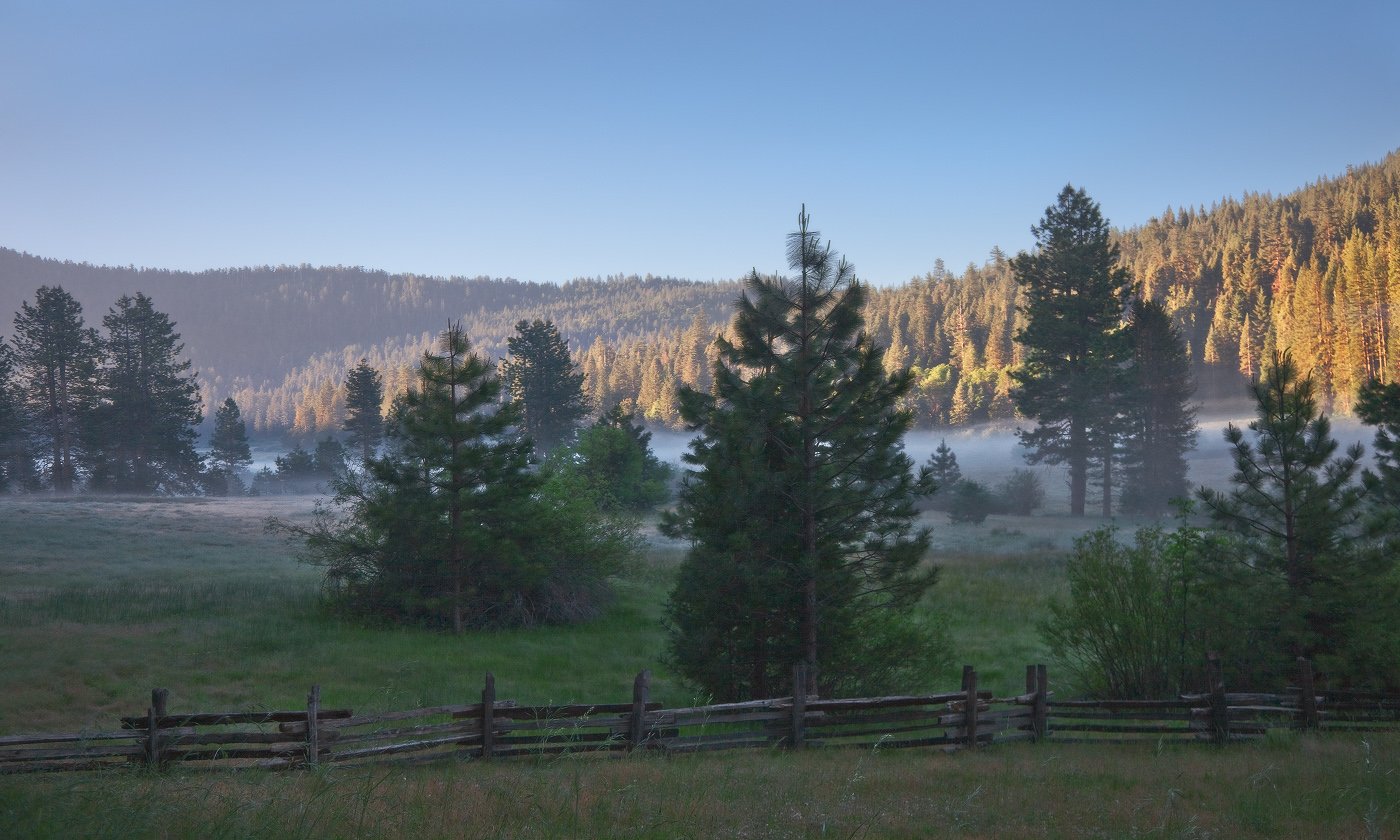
[1021, 493]
[970, 502]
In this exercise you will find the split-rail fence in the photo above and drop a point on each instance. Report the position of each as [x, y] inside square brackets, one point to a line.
[493, 728]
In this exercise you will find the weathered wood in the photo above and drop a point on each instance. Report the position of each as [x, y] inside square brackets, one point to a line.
[55, 766]
[583, 739]
[295, 751]
[471, 712]
[1219, 705]
[152, 738]
[1119, 728]
[55, 753]
[1123, 704]
[79, 737]
[1040, 721]
[970, 706]
[616, 746]
[641, 695]
[890, 702]
[1307, 697]
[313, 726]
[568, 710]
[225, 718]
[391, 749]
[698, 718]
[488, 717]
[231, 738]
[797, 735]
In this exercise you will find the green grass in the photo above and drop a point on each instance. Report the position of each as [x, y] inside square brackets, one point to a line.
[102, 600]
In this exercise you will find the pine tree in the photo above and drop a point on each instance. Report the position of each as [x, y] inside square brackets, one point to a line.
[1378, 405]
[364, 425]
[799, 505]
[543, 379]
[57, 360]
[1292, 508]
[143, 428]
[228, 446]
[16, 456]
[615, 456]
[1075, 295]
[450, 526]
[1161, 424]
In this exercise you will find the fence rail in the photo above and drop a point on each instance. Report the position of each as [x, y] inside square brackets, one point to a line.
[963, 719]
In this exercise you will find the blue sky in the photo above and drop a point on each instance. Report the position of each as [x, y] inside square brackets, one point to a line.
[551, 139]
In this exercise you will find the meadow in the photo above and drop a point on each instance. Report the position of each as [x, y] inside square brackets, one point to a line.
[103, 599]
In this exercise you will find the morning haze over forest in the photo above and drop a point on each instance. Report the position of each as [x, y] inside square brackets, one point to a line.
[1316, 270]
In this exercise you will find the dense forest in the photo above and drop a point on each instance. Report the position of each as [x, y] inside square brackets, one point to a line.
[1316, 271]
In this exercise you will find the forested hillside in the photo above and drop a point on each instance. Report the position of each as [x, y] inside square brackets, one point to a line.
[1317, 271]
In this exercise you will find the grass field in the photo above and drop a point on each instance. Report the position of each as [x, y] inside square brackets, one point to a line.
[101, 600]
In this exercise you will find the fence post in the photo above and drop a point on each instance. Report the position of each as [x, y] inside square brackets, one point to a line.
[970, 705]
[313, 726]
[1307, 693]
[799, 706]
[1040, 712]
[488, 716]
[1219, 707]
[636, 724]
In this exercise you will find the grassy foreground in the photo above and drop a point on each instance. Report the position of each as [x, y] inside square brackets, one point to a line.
[1304, 787]
[102, 600]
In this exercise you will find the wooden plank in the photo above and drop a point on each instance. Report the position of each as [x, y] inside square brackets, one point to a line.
[488, 717]
[109, 751]
[391, 749]
[230, 738]
[619, 746]
[890, 702]
[313, 729]
[1115, 715]
[690, 718]
[296, 751]
[1118, 728]
[57, 766]
[225, 718]
[1119, 704]
[580, 738]
[568, 711]
[82, 737]
[466, 727]
[641, 695]
[471, 712]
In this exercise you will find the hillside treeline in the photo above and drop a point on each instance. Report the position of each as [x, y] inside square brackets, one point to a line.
[1316, 271]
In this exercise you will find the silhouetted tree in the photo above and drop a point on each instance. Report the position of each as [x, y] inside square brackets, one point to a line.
[143, 426]
[228, 446]
[364, 424]
[1075, 295]
[800, 492]
[16, 455]
[542, 377]
[57, 358]
[1161, 424]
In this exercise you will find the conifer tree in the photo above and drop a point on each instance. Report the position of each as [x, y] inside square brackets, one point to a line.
[1293, 508]
[16, 457]
[364, 425]
[143, 427]
[799, 503]
[1378, 405]
[1075, 295]
[450, 526]
[228, 445]
[57, 359]
[1161, 424]
[543, 379]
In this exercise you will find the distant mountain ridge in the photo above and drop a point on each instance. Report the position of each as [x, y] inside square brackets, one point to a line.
[1316, 271]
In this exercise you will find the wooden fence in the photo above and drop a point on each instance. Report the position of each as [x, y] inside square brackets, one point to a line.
[963, 719]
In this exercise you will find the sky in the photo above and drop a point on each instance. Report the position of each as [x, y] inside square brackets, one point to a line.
[551, 139]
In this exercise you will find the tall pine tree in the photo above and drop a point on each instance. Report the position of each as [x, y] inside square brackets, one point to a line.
[16, 456]
[364, 424]
[800, 501]
[1075, 296]
[543, 379]
[57, 359]
[143, 427]
[1161, 424]
[228, 447]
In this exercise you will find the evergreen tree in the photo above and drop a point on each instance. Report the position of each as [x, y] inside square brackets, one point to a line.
[228, 446]
[451, 527]
[143, 428]
[16, 458]
[943, 469]
[1161, 424]
[1292, 509]
[1379, 405]
[543, 379]
[1075, 297]
[799, 505]
[615, 456]
[57, 360]
[364, 425]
